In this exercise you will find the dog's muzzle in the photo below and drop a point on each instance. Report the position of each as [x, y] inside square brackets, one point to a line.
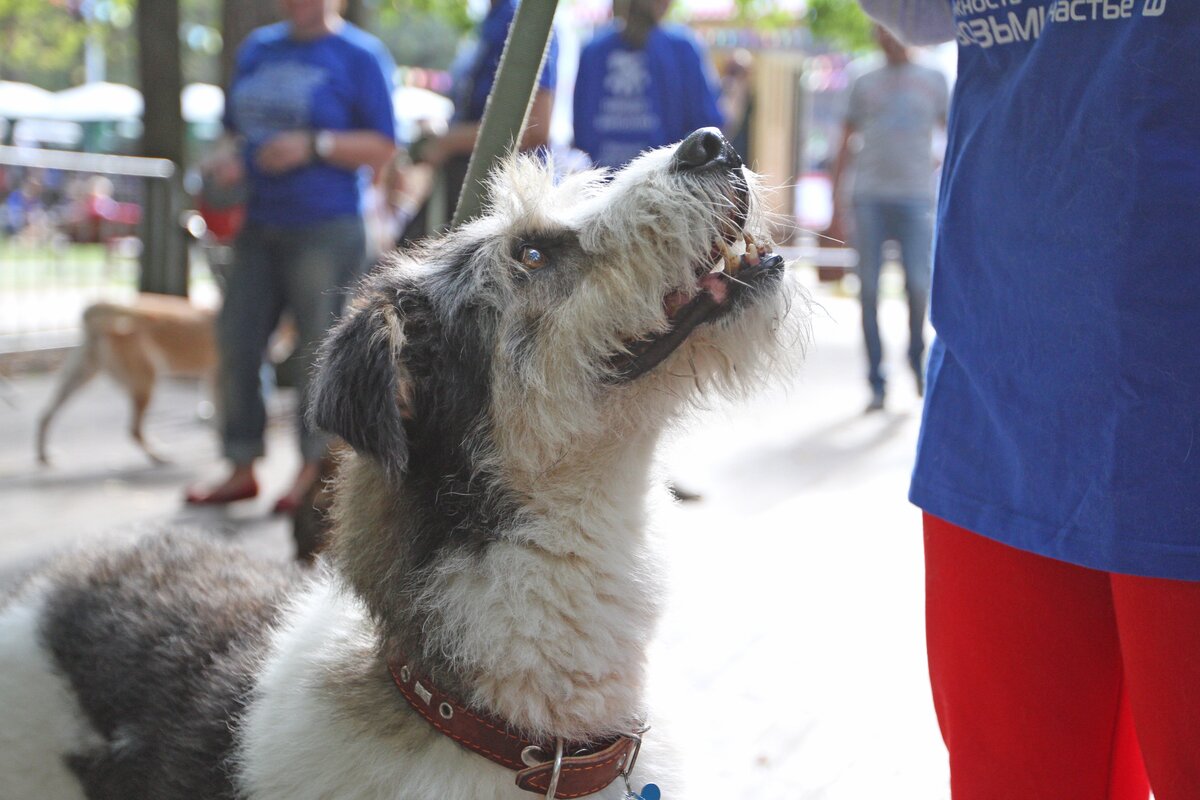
[706, 154]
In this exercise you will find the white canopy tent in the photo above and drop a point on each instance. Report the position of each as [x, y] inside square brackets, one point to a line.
[201, 103]
[99, 101]
[23, 100]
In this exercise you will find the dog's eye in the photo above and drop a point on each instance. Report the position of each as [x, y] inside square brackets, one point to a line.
[532, 257]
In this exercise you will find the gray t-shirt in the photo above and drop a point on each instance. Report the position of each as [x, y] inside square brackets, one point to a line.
[896, 110]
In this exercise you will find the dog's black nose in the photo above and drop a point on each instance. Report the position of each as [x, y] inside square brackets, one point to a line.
[705, 148]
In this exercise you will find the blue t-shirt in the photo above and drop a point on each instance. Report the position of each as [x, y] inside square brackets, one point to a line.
[338, 82]
[473, 87]
[629, 100]
[1063, 405]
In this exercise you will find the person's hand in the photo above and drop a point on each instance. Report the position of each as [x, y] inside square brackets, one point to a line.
[224, 166]
[225, 169]
[837, 228]
[285, 152]
[432, 151]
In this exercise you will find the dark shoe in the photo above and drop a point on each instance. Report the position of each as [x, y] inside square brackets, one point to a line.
[681, 494]
[876, 403]
[918, 367]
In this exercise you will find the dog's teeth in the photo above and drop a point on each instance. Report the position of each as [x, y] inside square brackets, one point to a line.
[727, 257]
[723, 256]
[732, 262]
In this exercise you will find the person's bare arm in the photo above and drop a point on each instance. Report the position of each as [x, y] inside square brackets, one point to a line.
[837, 227]
[914, 21]
[362, 148]
[460, 139]
[537, 130]
[347, 149]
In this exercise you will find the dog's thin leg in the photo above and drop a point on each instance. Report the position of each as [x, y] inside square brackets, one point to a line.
[141, 401]
[80, 368]
[134, 370]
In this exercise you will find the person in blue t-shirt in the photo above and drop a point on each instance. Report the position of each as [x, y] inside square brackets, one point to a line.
[452, 151]
[1058, 464]
[310, 109]
[642, 84]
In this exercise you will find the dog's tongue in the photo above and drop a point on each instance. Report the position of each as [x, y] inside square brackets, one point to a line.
[717, 285]
[713, 284]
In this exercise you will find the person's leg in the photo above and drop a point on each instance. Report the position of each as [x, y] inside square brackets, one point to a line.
[1159, 625]
[324, 262]
[1026, 674]
[915, 234]
[249, 311]
[868, 241]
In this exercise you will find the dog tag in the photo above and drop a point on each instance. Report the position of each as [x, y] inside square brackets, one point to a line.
[649, 792]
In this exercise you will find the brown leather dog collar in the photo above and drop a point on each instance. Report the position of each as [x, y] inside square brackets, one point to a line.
[560, 769]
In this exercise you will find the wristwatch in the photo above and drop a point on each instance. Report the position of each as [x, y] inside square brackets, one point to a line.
[323, 145]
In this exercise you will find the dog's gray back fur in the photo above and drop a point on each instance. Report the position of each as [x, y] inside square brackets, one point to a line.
[159, 642]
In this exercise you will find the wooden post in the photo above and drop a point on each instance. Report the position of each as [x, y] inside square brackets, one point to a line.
[164, 243]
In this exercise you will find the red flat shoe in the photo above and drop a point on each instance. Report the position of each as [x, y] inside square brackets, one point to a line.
[221, 495]
[285, 505]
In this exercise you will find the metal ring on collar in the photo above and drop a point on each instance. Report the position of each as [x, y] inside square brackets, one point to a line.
[558, 757]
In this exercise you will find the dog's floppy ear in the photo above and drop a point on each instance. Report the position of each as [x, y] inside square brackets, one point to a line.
[361, 388]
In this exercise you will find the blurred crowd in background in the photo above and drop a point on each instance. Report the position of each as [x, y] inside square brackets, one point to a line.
[781, 90]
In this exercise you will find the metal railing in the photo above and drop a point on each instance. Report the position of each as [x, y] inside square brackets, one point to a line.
[80, 227]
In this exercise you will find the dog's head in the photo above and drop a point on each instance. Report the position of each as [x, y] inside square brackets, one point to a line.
[568, 314]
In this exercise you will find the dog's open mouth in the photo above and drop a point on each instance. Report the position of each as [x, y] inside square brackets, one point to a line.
[723, 281]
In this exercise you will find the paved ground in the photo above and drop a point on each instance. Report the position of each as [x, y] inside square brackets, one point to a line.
[791, 657]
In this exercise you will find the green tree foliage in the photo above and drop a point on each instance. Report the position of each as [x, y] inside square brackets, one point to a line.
[762, 14]
[422, 33]
[43, 41]
[450, 12]
[839, 22]
[40, 42]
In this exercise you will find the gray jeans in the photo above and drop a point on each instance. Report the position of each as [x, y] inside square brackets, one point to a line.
[305, 271]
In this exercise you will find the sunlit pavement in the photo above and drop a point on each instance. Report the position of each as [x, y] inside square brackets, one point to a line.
[790, 663]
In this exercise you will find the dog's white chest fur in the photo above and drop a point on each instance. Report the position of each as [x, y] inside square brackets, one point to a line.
[42, 723]
[324, 723]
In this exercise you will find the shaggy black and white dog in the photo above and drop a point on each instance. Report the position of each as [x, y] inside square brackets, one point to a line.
[503, 390]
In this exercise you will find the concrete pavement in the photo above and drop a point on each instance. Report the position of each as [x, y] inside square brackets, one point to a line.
[790, 662]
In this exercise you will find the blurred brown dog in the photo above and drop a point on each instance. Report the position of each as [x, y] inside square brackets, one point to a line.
[134, 343]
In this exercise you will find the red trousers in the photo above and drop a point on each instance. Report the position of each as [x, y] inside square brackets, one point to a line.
[1057, 682]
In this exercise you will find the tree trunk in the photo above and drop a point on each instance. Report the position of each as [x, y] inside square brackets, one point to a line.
[164, 250]
[238, 18]
[161, 78]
